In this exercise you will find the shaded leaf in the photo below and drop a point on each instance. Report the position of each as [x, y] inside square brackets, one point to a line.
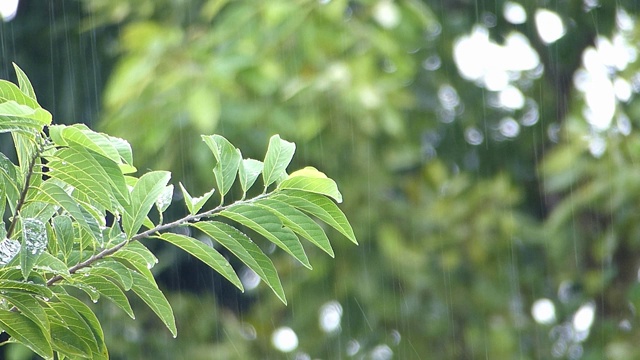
[27, 332]
[155, 299]
[248, 252]
[204, 253]
[63, 228]
[90, 319]
[29, 307]
[270, 226]
[115, 270]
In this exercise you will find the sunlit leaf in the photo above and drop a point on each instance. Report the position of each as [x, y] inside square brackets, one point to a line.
[320, 207]
[311, 180]
[51, 193]
[278, 156]
[248, 172]
[300, 223]
[25, 84]
[228, 160]
[164, 200]
[78, 168]
[195, 204]
[143, 196]
[136, 262]
[34, 242]
[78, 331]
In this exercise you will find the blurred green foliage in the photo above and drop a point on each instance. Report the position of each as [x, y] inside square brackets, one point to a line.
[458, 241]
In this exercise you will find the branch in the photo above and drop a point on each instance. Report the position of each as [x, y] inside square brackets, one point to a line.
[148, 233]
[23, 193]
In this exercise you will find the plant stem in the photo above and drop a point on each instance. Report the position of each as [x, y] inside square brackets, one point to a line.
[148, 233]
[23, 194]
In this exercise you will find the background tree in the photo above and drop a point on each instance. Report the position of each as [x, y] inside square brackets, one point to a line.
[480, 189]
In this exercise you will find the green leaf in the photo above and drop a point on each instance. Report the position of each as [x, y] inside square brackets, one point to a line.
[164, 200]
[34, 242]
[248, 252]
[115, 178]
[67, 342]
[63, 228]
[124, 149]
[320, 207]
[204, 253]
[9, 176]
[18, 112]
[268, 225]
[300, 223]
[311, 180]
[92, 321]
[228, 160]
[62, 313]
[143, 196]
[248, 172]
[141, 260]
[51, 193]
[195, 204]
[78, 168]
[108, 289]
[155, 299]
[81, 135]
[279, 155]
[29, 307]
[27, 332]
[114, 270]
[10, 92]
[29, 287]
[51, 264]
[25, 84]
